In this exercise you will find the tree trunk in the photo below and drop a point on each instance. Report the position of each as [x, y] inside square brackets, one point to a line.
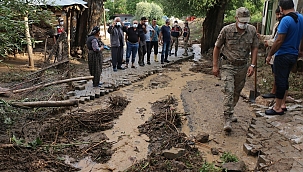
[53, 83]
[69, 21]
[47, 103]
[212, 25]
[29, 44]
[88, 19]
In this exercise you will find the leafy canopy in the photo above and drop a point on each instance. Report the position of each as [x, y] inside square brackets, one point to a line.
[12, 23]
[148, 10]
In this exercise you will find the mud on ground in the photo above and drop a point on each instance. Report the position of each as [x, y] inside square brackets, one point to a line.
[43, 143]
[163, 131]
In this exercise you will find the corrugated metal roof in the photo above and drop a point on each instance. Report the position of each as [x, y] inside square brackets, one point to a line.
[62, 2]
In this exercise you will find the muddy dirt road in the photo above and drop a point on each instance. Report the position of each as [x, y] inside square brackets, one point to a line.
[197, 95]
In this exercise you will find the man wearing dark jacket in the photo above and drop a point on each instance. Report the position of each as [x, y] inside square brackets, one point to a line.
[117, 43]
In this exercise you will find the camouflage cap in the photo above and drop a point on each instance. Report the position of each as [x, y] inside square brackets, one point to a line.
[243, 14]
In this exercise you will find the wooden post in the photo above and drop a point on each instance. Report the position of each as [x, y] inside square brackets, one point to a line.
[68, 31]
[45, 48]
[104, 22]
[29, 43]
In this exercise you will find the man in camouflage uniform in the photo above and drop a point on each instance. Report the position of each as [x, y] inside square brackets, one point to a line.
[176, 32]
[235, 42]
[186, 33]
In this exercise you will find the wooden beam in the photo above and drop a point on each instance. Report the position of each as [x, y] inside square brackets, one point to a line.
[46, 103]
[53, 83]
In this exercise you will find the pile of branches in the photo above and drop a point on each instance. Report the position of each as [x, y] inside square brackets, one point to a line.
[163, 131]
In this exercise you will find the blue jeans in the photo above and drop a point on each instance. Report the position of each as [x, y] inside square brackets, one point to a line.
[165, 50]
[133, 49]
[282, 68]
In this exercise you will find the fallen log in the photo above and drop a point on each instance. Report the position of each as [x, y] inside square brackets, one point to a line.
[53, 83]
[46, 103]
[50, 66]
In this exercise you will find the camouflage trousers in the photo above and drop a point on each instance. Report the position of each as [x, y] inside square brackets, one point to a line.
[175, 41]
[234, 78]
[185, 44]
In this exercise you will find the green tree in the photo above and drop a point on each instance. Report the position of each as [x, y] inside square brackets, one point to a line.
[156, 12]
[116, 7]
[14, 25]
[148, 10]
[143, 9]
[131, 5]
[213, 10]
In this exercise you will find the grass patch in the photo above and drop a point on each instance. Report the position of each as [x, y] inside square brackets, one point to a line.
[229, 157]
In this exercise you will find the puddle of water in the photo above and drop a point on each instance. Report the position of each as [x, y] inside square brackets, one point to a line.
[130, 146]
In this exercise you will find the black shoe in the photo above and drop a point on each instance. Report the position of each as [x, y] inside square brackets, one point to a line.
[148, 63]
[121, 68]
[167, 61]
[273, 112]
[176, 54]
[115, 69]
[141, 64]
[269, 95]
[162, 62]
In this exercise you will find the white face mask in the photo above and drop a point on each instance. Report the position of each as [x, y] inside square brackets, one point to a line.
[242, 25]
[146, 23]
[118, 23]
[135, 25]
[61, 23]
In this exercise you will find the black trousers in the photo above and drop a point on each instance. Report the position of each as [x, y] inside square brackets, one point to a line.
[141, 52]
[117, 56]
[148, 47]
[155, 45]
[95, 60]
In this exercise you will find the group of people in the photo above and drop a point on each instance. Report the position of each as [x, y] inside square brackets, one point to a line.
[140, 38]
[238, 40]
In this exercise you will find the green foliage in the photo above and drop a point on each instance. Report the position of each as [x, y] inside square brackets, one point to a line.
[143, 9]
[200, 7]
[21, 142]
[255, 9]
[229, 157]
[209, 167]
[115, 7]
[148, 10]
[12, 14]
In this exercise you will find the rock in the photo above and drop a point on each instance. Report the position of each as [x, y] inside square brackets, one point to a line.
[79, 51]
[289, 100]
[214, 151]
[154, 83]
[173, 153]
[261, 101]
[202, 137]
[234, 166]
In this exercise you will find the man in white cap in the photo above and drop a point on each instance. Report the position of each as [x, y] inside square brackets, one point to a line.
[233, 45]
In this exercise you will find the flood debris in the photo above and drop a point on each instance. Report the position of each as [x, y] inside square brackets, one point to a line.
[169, 149]
[60, 136]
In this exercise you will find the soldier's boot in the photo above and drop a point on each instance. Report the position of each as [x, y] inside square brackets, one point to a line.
[227, 125]
[234, 119]
[156, 58]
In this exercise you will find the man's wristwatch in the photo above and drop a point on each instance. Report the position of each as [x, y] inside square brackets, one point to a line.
[253, 66]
